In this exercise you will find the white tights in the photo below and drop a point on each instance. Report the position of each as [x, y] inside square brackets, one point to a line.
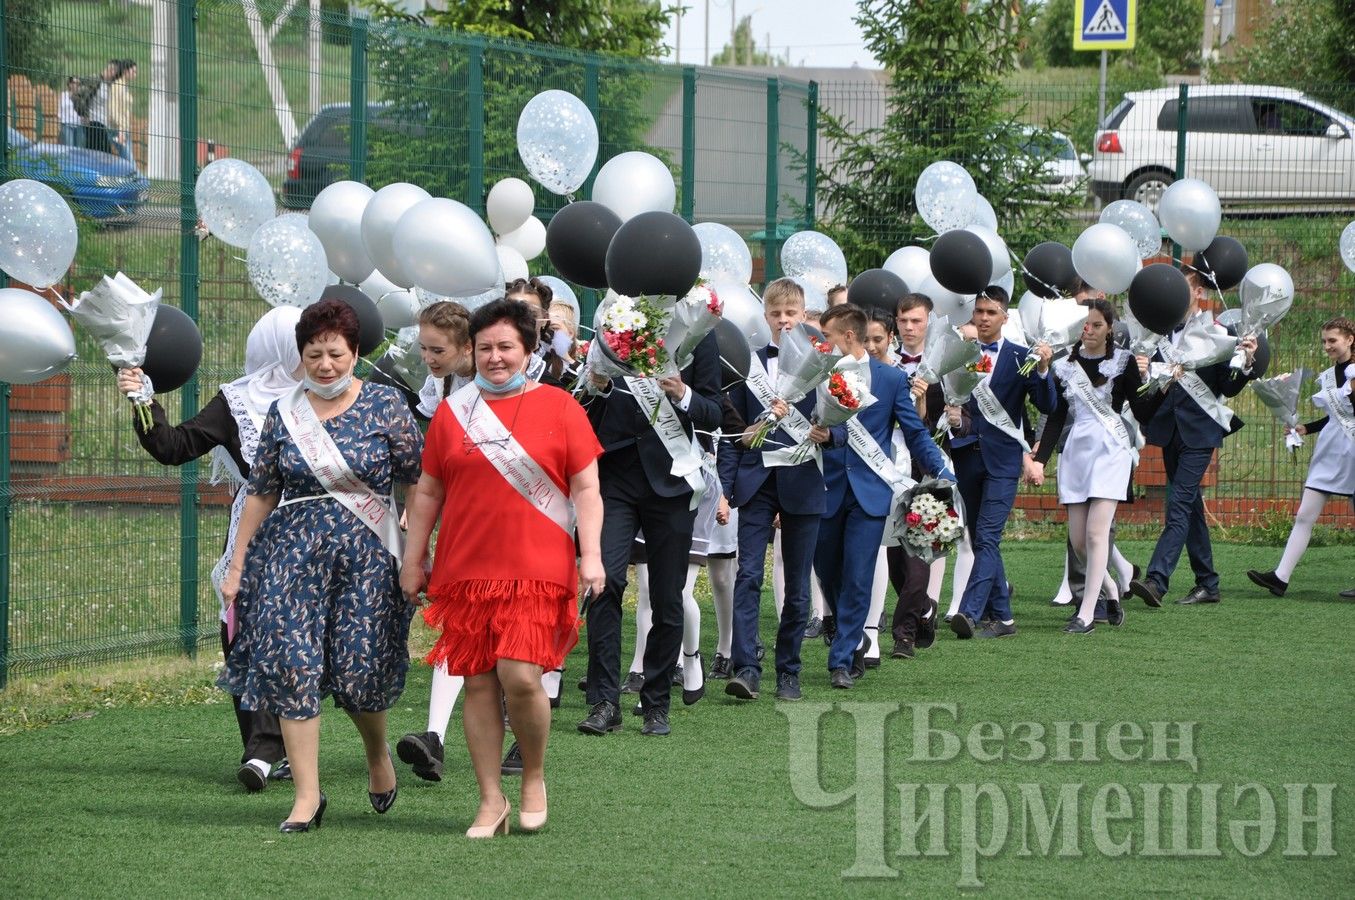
[721, 573]
[1089, 530]
[1310, 507]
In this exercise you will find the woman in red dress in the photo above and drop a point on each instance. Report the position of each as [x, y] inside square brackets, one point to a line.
[508, 464]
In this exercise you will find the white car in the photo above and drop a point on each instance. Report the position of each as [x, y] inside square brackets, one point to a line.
[1254, 144]
[1061, 171]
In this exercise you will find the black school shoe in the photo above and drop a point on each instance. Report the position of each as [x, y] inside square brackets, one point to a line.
[1268, 580]
[1198, 595]
[423, 751]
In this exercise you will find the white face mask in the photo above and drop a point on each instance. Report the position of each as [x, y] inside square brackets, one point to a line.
[328, 391]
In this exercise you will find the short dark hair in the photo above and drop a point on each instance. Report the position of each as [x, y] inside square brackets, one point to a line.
[913, 301]
[995, 292]
[854, 318]
[331, 316]
[514, 312]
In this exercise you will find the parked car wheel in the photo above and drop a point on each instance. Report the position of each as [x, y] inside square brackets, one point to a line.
[1147, 187]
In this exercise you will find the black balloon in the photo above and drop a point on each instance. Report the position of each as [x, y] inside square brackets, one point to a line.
[877, 289]
[371, 330]
[1159, 297]
[961, 262]
[1223, 263]
[173, 350]
[735, 354]
[577, 239]
[1048, 270]
[653, 254]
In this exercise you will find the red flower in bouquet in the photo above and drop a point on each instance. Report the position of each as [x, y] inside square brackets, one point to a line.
[913, 519]
[820, 345]
[983, 365]
[841, 392]
[713, 304]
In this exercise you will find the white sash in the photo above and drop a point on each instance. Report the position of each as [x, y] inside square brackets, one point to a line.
[996, 414]
[1081, 386]
[682, 448]
[794, 424]
[1338, 403]
[1200, 392]
[510, 459]
[329, 467]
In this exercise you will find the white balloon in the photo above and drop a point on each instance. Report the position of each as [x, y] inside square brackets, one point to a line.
[35, 340]
[446, 249]
[809, 251]
[1007, 282]
[984, 214]
[1266, 282]
[634, 182]
[529, 238]
[815, 296]
[1190, 211]
[946, 196]
[723, 253]
[561, 292]
[557, 140]
[399, 307]
[286, 262]
[512, 264]
[1028, 311]
[509, 204]
[1347, 246]
[744, 309]
[1106, 257]
[997, 248]
[336, 219]
[1138, 222]
[233, 200]
[912, 264]
[958, 308]
[37, 233]
[475, 301]
[378, 227]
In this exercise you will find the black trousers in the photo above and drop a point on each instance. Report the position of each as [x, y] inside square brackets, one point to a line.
[259, 731]
[630, 506]
[909, 576]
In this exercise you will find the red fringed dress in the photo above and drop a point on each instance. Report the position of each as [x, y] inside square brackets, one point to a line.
[505, 578]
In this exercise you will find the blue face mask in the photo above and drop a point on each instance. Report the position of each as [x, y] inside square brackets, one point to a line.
[517, 382]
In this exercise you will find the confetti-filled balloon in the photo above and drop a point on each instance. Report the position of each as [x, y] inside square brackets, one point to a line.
[286, 262]
[37, 233]
[723, 253]
[1138, 222]
[557, 140]
[1348, 246]
[806, 252]
[946, 196]
[234, 200]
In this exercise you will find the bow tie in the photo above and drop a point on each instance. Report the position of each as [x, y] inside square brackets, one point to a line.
[1179, 328]
[906, 360]
[991, 348]
[772, 351]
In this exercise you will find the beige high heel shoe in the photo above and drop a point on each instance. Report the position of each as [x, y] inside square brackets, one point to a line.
[533, 821]
[499, 826]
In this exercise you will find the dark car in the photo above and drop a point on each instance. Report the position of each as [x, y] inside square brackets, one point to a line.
[102, 186]
[321, 155]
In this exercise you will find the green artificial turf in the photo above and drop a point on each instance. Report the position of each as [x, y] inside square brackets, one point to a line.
[140, 800]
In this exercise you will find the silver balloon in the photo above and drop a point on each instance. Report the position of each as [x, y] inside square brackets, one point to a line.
[946, 196]
[529, 238]
[234, 200]
[509, 204]
[635, 182]
[723, 253]
[1028, 311]
[912, 264]
[512, 264]
[1138, 222]
[1007, 282]
[398, 307]
[744, 309]
[984, 214]
[378, 227]
[472, 302]
[35, 340]
[1190, 211]
[1106, 257]
[1266, 294]
[557, 140]
[286, 262]
[809, 251]
[997, 249]
[37, 233]
[481, 299]
[958, 308]
[336, 218]
[815, 296]
[1348, 246]
[446, 248]
[561, 292]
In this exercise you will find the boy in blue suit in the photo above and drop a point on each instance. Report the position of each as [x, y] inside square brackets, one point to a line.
[763, 484]
[859, 482]
[989, 468]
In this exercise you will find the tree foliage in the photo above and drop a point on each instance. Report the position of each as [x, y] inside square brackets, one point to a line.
[744, 51]
[26, 25]
[1169, 35]
[1299, 43]
[947, 60]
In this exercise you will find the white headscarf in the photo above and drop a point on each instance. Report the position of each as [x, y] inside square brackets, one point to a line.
[272, 364]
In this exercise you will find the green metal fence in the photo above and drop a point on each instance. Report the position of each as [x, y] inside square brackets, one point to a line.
[104, 554]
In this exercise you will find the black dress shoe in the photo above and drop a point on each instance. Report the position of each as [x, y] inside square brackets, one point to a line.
[1147, 592]
[583, 684]
[788, 687]
[677, 676]
[997, 630]
[962, 626]
[858, 666]
[926, 629]
[252, 778]
[1198, 595]
[902, 650]
[1347, 594]
[282, 771]
[814, 628]
[841, 679]
[384, 801]
[694, 695]
[512, 761]
[1077, 626]
[745, 684]
[1115, 612]
[422, 750]
[719, 667]
[656, 723]
[633, 683]
[289, 827]
[829, 630]
[602, 718]
[1268, 580]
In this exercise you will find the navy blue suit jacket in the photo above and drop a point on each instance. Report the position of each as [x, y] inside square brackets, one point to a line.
[842, 466]
[799, 489]
[1180, 414]
[1002, 454]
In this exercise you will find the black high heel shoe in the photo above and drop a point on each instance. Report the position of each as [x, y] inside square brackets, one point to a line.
[385, 800]
[289, 827]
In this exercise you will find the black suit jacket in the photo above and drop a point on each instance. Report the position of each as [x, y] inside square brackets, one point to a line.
[623, 429]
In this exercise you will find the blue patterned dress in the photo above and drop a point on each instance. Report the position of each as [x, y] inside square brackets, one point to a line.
[320, 608]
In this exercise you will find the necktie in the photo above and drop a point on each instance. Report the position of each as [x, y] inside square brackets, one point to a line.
[991, 348]
[906, 360]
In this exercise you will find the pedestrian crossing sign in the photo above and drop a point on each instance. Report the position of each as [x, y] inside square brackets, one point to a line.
[1104, 24]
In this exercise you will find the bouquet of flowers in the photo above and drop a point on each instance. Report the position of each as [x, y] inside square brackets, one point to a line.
[930, 524]
[119, 315]
[694, 317]
[1281, 396]
[629, 339]
[839, 398]
[945, 352]
[1061, 324]
[958, 386]
[1202, 343]
[804, 362]
[1262, 307]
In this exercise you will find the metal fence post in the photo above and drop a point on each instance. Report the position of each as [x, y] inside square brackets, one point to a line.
[770, 265]
[811, 152]
[1181, 101]
[357, 100]
[475, 126]
[689, 143]
[188, 291]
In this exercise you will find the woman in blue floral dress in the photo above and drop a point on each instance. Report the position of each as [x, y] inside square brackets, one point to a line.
[315, 575]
